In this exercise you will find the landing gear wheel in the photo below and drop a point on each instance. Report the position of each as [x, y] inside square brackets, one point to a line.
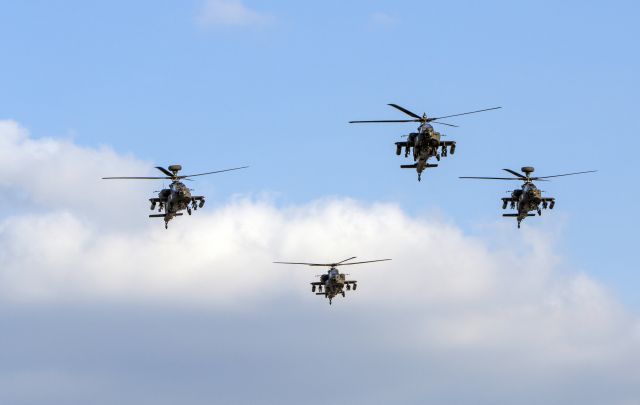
[343, 294]
[166, 225]
[539, 212]
[189, 211]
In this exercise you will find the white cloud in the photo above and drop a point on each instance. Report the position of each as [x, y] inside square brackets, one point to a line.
[504, 313]
[230, 13]
[55, 174]
[384, 19]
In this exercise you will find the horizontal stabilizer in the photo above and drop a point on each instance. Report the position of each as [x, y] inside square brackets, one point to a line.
[156, 216]
[415, 165]
[319, 293]
[515, 215]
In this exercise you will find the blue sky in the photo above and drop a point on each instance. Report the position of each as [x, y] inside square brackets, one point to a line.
[148, 79]
[273, 85]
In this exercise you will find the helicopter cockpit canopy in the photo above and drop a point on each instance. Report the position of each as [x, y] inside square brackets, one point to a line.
[426, 127]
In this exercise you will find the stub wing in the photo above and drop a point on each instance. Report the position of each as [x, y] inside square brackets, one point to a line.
[548, 202]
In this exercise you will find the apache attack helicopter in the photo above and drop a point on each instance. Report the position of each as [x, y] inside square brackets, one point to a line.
[426, 141]
[528, 198]
[177, 197]
[334, 282]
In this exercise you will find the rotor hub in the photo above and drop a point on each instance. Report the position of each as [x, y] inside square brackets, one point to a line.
[175, 168]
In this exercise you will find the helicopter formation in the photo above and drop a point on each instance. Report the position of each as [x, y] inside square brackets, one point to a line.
[424, 144]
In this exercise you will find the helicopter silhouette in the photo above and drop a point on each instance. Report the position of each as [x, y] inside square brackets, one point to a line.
[177, 197]
[528, 198]
[425, 143]
[333, 282]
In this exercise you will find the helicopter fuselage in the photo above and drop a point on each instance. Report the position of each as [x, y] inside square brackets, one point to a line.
[527, 199]
[424, 144]
[332, 284]
[174, 199]
[178, 196]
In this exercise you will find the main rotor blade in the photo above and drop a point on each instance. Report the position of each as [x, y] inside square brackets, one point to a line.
[217, 171]
[470, 112]
[346, 260]
[404, 110]
[374, 121]
[165, 171]
[342, 263]
[444, 123]
[137, 178]
[515, 173]
[560, 175]
[368, 261]
[489, 178]
[308, 264]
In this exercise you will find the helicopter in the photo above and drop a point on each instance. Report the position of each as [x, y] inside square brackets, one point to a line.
[528, 198]
[177, 197]
[334, 282]
[426, 142]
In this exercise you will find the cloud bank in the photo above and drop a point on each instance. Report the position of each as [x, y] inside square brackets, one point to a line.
[452, 318]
